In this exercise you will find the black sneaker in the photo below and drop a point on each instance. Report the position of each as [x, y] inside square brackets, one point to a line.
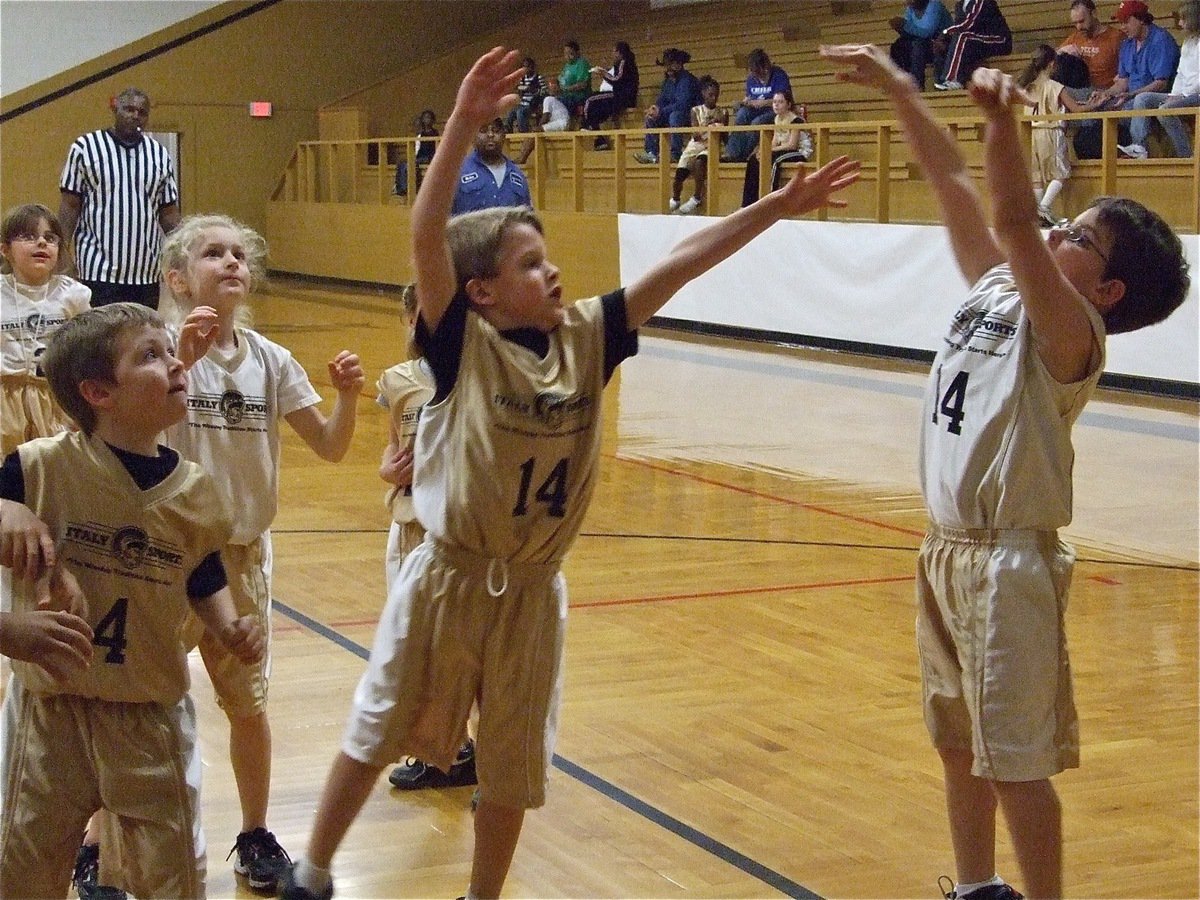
[86, 877]
[988, 892]
[289, 890]
[415, 775]
[257, 855]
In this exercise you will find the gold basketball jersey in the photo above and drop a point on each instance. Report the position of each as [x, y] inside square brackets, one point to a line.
[506, 464]
[132, 552]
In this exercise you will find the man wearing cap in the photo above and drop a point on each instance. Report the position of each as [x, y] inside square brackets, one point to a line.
[1146, 62]
[673, 109]
[1096, 43]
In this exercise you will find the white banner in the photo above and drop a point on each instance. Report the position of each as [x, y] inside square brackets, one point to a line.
[893, 285]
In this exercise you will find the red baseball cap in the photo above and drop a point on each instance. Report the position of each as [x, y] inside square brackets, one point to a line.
[1133, 8]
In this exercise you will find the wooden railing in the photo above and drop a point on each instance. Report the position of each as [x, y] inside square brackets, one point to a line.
[363, 171]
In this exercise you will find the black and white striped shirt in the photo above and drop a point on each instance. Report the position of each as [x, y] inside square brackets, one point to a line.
[118, 238]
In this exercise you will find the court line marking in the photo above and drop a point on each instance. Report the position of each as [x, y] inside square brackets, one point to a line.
[797, 372]
[861, 520]
[655, 816]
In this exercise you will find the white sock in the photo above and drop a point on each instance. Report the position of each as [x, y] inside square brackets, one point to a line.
[312, 878]
[1053, 189]
[961, 890]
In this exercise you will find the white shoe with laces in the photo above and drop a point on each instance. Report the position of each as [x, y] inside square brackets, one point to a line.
[689, 206]
[672, 206]
[1134, 151]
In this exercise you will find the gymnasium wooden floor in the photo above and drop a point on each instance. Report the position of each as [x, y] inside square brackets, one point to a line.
[741, 713]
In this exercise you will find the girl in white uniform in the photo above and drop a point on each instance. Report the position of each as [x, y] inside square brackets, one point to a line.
[35, 299]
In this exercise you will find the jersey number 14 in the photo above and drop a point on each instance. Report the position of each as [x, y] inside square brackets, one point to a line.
[950, 404]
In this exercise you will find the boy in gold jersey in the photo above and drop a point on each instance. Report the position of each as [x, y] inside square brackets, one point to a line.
[506, 459]
[138, 531]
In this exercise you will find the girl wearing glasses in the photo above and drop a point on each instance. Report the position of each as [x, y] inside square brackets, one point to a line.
[35, 299]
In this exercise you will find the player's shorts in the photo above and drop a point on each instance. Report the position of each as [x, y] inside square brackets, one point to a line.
[556, 126]
[1050, 158]
[403, 539]
[66, 757]
[241, 689]
[442, 641]
[27, 411]
[995, 675]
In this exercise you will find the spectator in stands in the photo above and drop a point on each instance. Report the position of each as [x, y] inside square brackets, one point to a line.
[786, 144]
[618, 91]
[1096, 43]
[763, 82]
[553, 117]
[119, 197]
[680, 91]
[575, 79]
[1045, 81]
[426, 129]
[694, 160]
[913, 49]
[1185, 92]
[979, 31]
[1145, 65]
[488, 177]
[531, 89]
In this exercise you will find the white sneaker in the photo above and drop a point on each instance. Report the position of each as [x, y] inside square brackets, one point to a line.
[672, 205]
[1134, 151]
[948, 86]
[689, 206]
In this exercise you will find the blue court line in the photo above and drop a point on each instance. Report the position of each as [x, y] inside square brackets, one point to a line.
[693, 836]
[1107, 421]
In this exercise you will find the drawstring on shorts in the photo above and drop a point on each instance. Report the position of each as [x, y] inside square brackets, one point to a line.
[491, 569]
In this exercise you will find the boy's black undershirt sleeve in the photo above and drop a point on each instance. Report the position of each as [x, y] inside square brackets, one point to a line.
[207, 578]
[443, 346]
[12, 479]
[619, 342]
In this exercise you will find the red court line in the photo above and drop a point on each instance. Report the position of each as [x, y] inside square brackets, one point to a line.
[753, 493]
[665, 598]
[733, 592]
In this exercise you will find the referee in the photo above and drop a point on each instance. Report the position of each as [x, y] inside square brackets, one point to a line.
[119, 196]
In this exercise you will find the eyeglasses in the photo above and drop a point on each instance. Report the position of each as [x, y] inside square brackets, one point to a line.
[1076, 234]
[27, 238]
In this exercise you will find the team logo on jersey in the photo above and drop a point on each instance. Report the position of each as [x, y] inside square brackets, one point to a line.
[36, 322]
[991, 327]
[232, 406]
[129, 545]
[550, 409]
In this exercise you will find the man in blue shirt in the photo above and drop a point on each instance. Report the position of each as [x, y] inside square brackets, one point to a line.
[763, 82]
[673, 109]
[488, 177]
[1146, 64]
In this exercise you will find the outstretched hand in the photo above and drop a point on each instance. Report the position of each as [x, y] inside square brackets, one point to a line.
[867, 64]
[806, 192]
[995, 92]
[197, 334]
[488, 90]
[346, 373]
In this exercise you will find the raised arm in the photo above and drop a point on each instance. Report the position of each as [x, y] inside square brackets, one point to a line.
[485, 93]
[1057, 311]
[698, 253]
[330, 438]
[975, 250]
